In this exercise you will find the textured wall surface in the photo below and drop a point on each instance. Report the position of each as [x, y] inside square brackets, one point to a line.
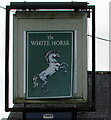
[103, 100]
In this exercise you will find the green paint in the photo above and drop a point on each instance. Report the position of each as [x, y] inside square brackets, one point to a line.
[38, 44]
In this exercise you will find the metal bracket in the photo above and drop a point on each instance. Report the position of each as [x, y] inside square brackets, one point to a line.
[48, 5]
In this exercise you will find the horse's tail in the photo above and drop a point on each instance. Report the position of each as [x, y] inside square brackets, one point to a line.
[35, 83]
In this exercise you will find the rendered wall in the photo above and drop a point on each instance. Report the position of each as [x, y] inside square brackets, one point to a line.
[110, 35]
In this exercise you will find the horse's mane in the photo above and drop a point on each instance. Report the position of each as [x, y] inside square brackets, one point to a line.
[47, 55]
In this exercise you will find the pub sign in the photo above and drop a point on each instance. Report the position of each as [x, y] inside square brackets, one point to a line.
[50, 57]
[49, 64]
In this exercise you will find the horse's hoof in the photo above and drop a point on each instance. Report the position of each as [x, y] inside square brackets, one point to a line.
[36, 85]
[46, 91]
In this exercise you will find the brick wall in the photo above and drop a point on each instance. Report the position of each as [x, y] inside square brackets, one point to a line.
[103, 99]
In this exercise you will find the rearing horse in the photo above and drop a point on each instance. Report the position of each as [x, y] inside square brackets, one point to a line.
[54, 66]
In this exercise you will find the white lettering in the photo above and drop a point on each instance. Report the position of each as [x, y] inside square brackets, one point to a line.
[40, 43]
[47, 43]
[50, 37]
[63, 43]
[33, 42]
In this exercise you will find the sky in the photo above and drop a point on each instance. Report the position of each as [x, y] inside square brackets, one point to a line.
[102, 47]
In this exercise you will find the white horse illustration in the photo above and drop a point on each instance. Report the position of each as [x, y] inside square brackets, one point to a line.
[54, 66]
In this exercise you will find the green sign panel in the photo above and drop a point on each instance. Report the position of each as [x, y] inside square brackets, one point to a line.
[49, 64]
